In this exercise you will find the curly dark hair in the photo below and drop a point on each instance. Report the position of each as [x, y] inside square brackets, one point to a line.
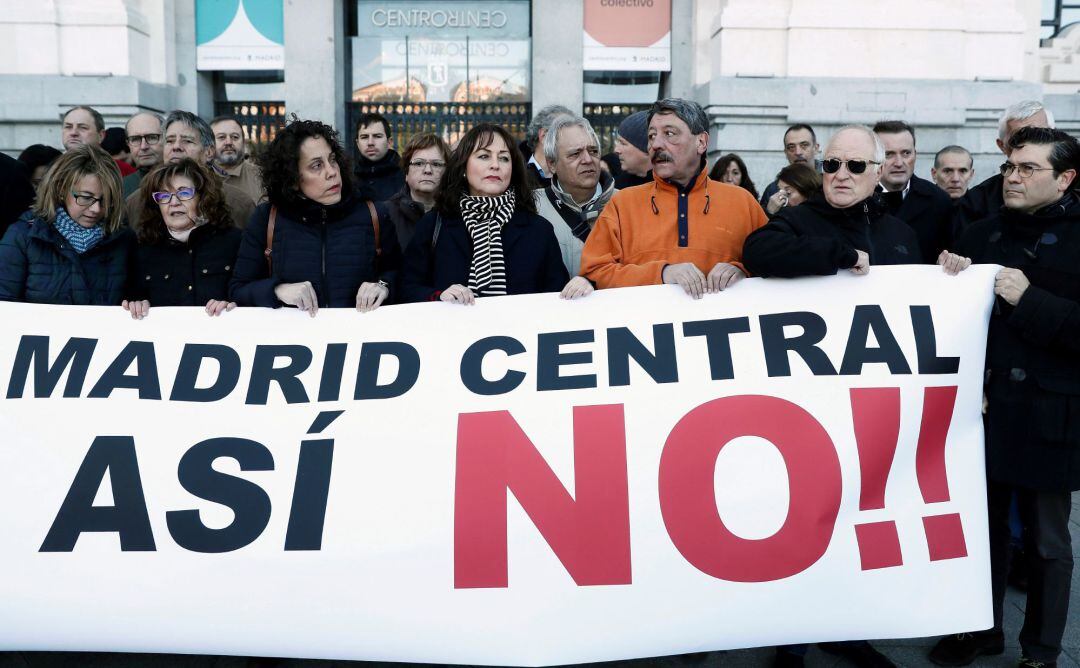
[280, 162]
[212, 204]
[454, 183]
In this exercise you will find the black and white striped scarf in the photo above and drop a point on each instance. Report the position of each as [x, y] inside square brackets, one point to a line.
[484, 219]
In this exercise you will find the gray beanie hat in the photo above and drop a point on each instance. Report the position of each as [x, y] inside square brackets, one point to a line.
[635, 129]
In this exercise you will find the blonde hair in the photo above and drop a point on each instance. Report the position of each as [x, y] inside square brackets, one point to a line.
[59, 182]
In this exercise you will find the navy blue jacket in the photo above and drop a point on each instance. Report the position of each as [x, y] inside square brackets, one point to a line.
[379, 180]
[533, 257]
[331, 246]
[38, 265]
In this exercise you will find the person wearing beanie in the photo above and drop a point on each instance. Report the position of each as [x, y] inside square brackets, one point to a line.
[632, 147]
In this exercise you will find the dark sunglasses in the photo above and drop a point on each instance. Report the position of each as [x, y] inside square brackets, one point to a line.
[832, 165]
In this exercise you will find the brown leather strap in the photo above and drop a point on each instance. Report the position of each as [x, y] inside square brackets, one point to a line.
[375, 224]
[270, 240]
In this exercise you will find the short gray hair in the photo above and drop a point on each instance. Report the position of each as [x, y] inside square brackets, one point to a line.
[551, 139]
[203, 128]
[879, 148]
[153, 114]
[1021, 111]
[687, 111]
[542, 120]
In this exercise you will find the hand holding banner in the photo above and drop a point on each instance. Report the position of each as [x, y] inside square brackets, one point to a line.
[528, 481]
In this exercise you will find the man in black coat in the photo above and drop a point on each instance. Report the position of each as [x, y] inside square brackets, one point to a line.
[916, 201]
[844, 227]
[985, 199]
[378, 168]
[16, 191]
[1032, 388]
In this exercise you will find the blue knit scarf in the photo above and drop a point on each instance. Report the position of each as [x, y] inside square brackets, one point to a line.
[81, 238]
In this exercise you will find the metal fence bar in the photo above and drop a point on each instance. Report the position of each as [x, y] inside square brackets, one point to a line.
[259, 120]
[605, 119]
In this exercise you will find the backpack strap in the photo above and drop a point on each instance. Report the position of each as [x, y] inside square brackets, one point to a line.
[375, 224]
[270, 240]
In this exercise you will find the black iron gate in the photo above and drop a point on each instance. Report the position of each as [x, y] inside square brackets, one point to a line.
[449, 120]
[259, 120]
[605, 119]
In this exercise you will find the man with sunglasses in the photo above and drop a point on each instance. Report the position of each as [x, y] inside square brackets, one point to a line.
[843, 227]
[1032, 388]
[916, 201]
[144, 131]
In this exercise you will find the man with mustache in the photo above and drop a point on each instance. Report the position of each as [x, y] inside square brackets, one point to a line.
[579, 188]
[682, 228]
[1032, 388]
[231, 157]
[914, 200]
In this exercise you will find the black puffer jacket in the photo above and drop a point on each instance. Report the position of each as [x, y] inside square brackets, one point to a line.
[331, 246]
[173, 273]
[37, 265]
[816, 239]
[1033, 350]
[381, 179]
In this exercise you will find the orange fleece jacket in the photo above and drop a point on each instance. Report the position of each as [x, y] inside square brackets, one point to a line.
[633, 240]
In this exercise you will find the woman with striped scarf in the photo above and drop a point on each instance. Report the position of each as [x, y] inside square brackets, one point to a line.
[484, 237]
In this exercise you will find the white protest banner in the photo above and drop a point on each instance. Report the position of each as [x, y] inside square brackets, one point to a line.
[526, 481]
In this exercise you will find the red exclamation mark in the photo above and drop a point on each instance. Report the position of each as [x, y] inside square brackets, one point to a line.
[876, 415]
[944, 533]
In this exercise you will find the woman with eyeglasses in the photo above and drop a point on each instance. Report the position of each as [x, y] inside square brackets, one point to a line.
[423, 160]
[187, 242]
[483, 237]
[843, 227]
[315, 243]
[71, 247]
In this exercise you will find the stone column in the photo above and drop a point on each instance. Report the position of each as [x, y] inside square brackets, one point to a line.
[315, 61]
[558, 53]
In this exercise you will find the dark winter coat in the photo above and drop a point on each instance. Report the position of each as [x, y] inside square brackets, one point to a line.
[16, 191]
[816, 239]
[533, 257]
[381, 179]
[174, 273]
[982, 201]
[39, 266]
[929, 211]
[404, 212]
[331, 246]
[1033, 350]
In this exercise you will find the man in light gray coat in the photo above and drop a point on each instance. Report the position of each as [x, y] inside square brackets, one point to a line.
[579, 188]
